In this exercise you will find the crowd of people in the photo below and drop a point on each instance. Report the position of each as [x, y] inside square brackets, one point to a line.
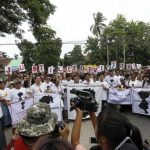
[38, 130]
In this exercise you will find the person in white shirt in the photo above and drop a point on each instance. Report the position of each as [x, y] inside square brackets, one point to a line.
[47, 85]
[3, 96]
[139, 81]
[37, 89]
[16, 94]
[132, 81]
[112, 80]
[105, 86]
[76, 79]
[87, 79]
[2, 134]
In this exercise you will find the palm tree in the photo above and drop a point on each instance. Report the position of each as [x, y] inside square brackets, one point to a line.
[98, 25]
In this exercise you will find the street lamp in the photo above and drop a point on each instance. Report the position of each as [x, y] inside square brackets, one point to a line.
[107, 50]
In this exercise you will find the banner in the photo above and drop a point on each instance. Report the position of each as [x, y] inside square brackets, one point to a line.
[82, 68]
[101, 68]
[117, 96]
[133, 66]
[41, 68]
[113, 64]
[50, 70]
[95, 87]
[121, 66]
[18, 110]
[74, 68]
[138, 66]
[22, 68]
[129, 66]
[8, 70]
[141, 101]
[60, 69]
[69, 69]
[34, 69]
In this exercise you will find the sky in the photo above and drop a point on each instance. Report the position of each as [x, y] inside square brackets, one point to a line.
[73, 18]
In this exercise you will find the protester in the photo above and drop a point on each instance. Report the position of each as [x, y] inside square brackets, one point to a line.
[37, 88]
[2, 134]
[3, 96]
[87, 79]
[105, 87]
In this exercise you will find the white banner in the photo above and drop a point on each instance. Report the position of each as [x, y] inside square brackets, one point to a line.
[121, 65]
[141, 101]
[34, 69]
[113, 64]
[19, 109]
[8, 70]
[50, 70]
[98, 96]
[122, 97]
[133, 66]
[41, 68]
[82, 68]
[69, 69]
[22, 68]
[60, 69]
[138, 66]
[74, 68]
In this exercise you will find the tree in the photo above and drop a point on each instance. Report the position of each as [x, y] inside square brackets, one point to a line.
[74, 57]
[27, 49]
[98, 25]
[15, 12]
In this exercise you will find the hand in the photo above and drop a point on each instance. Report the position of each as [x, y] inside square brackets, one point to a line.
[16, 135]
[64, 133]
[8, 103]
[77, 109]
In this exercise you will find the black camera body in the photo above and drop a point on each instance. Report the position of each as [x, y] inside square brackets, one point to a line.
[85, 100]
[46, 99]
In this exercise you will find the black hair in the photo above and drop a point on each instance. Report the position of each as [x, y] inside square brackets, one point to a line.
[116, 127]
[26, 84]
[68, 75]
[46, 143]
[37, 76]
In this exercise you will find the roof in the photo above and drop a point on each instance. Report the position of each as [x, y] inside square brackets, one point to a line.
[15, 62]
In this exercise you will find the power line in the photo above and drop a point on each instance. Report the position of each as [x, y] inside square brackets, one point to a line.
[66, 42]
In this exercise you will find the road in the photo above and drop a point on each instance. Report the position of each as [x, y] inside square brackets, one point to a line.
[142, 122]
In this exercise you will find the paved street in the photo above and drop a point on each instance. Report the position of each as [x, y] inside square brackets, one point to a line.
[143, 123]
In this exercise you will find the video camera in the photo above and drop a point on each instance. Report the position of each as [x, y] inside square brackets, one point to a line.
[85, 100]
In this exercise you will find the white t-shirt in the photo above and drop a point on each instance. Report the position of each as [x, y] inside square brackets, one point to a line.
[86, 82]
[45, 85]
[56, 89]
[1, 113]
[13, 94]
[138, 83]
[105, 85]
[112, 81]
[37, 89]
[4, 93]
[130, 83]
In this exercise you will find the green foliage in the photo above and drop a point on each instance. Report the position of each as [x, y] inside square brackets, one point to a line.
[15, 12]
[74, 57]
[134, 36]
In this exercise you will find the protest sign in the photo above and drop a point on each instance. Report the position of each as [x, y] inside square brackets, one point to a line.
[22, 68]
[50, 70]
[34, 69]
[8, 70]
[41, 68]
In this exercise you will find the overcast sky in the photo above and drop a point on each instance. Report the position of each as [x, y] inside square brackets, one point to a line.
[73, 18]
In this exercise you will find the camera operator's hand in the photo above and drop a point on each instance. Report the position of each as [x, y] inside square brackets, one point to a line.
[93, 118]
[64, 133]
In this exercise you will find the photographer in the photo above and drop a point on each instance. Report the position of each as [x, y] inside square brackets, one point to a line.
[39, 122]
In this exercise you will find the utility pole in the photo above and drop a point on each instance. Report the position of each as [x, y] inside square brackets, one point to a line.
[124, 53]
[107, 51]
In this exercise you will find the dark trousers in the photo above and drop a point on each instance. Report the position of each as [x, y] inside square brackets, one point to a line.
[2, 136]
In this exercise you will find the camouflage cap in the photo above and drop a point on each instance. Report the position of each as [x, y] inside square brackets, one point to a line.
[39, 121]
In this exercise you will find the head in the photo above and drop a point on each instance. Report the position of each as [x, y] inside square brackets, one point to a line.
[40, 121]
[68, 76]
[56, 81]
[45, 143]
[101, 77]
[113, 128]
[87, 77]
[133, 76]
[47, 79]
[17, 84]
[26, 84]
[37, 79]
[139, 76]
[76, 79]
[111, 73]
[2, 85]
